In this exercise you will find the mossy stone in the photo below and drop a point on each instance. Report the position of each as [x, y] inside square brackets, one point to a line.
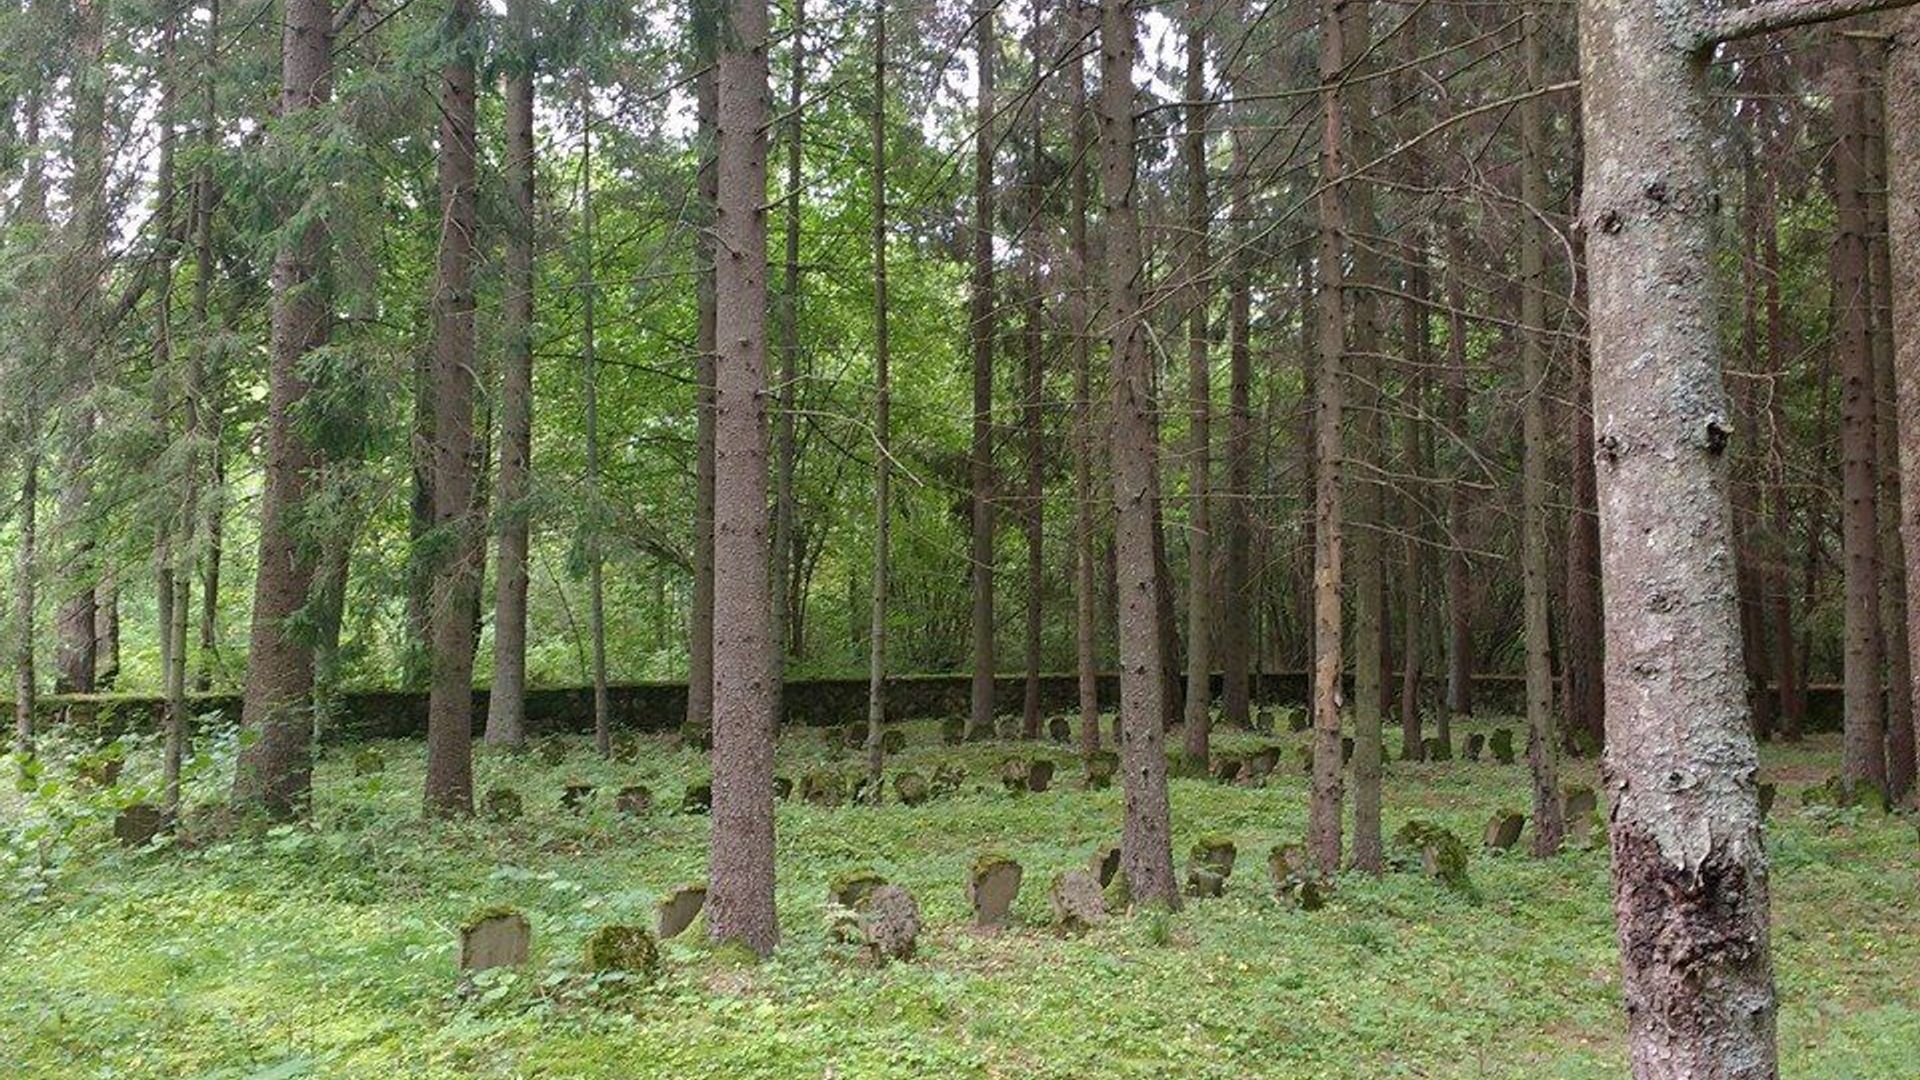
[697, 800]
[628, 950]
[854, 888]
[1060, 729]
[501, 804]
[634, 800]
[991, 888]
[823, 787]
[893, 741]
[1216, 853]
[1101, 765]
[677, 910]
[1500, 744]
[576, 796]
[1503, 829]
[911, 788]
[1441, 853]
[1077, 902]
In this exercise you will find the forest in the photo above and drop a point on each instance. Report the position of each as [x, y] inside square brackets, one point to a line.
[928, 538]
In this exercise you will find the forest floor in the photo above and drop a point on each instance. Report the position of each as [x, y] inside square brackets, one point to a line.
[329, 951]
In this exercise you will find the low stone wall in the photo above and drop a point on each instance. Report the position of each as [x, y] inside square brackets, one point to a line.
[396, 714]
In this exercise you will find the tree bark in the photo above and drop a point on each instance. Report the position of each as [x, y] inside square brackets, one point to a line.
[1792, 707]
[1326, 783]
[1543, 747]
[1033, 508]
[274, 775]
[1893, 592]
[1417, 335]
[456, 555]
[740, 901]
[787, 311]
[1236, 699]
[1689, 868]
[1459, 581]
[590, 394]
[507, 700]
[1903, 230]
[980, 458]
[1864, 753]
[1199, 698]
[882, 413]
[706, 16]
[1146, 842]
[1361, 532]
[1085, 440]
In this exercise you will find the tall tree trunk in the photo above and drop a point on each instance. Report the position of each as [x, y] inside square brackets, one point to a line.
[1864, 753]
[590, 393]
[1363, 537]
[1543, 747]
[980, 459]
[1033, 399]
[173, 538]
[77, 667]
[1792, 707]
[1459, 581]
[1146, 854]
[1199, 697]
[24, 562]
[1417, 336]
[740, 901]
[455, 567]
[507, 699]
[882, 414]
[1585, 688]
[1236, 702]
[706, 15]
[787, 310]
[1085, 441]
[1903, 230]
[1689, 868]
[1893, 567]
[1326, 783]
[275, 773]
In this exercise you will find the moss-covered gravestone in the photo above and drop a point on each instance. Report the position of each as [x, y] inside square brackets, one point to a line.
[782, 787]
[634, 800]
[823, 787]
[367, 762]
[696, 736]
[677, 910]
[1262, 720]
[553, 751]
[1476, 742]
[1259, 765]
[1580, 809]
[1439, 749]
[991, 888]
[893, 741]
[1503, 829]
[697, 800]
[501, 804]
[1501, 745]
[911, 788]
[136, 826]
[1060, 729]
[1298, 720]
[1294, 878]
[1039, 774]
[496, 937]
[1227, 767]
[854, 888]
[1216, 853]
[626, 950]
[889, 925]
[953, 731]
[947, 778]
[1101, 766]
[1204, 883]
[576, 796]
[1440, 854]
[1077, 901]
[1105, 864]
[100, 768]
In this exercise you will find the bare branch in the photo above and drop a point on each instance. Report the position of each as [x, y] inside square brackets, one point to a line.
[1771, 15]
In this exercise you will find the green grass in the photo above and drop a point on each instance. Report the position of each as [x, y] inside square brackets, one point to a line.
[329, 951]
